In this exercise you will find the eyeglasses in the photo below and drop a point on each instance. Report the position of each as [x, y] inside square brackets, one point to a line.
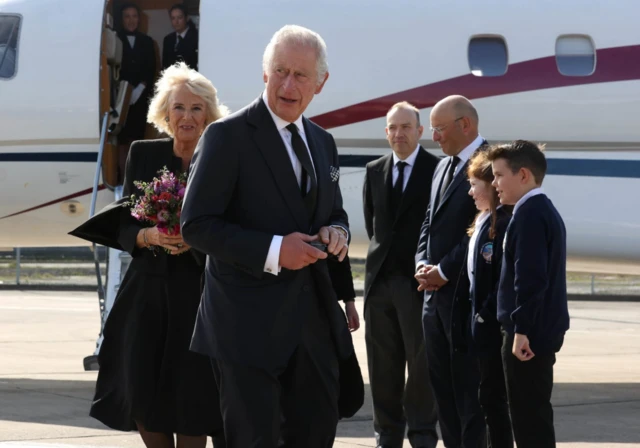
[439, 129]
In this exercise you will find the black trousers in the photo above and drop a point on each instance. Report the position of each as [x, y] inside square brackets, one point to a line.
[395, 343]
[295, 406]
[455, 380]
[529, 387]
[492, 395]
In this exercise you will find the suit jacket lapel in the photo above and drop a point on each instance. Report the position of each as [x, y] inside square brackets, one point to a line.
[412, 190]
[386, 171]
[321, 167]
[435, 186]
[457, 180]
[269, 141]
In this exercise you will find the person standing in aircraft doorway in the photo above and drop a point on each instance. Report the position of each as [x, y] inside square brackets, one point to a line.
[181, 45]
[139, 70]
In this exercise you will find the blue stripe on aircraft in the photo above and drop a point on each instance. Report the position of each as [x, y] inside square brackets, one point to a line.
[629, 169]
[49, 157]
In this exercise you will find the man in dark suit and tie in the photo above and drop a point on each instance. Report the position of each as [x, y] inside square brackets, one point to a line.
[263, 186]
[139, 70]
[182, 45]
[439, 260]
[395, 198]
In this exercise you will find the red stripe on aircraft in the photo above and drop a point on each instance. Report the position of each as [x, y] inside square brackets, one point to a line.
[612, 64]
[55, 201]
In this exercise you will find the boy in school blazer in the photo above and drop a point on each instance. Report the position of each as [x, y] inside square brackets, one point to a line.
[532, 296]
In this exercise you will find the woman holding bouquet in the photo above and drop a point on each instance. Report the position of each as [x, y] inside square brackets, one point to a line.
[148, 379]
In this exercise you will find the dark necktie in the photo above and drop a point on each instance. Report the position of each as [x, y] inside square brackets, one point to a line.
[308, 175]
[448, 177]
[396, 192]
[178, 40]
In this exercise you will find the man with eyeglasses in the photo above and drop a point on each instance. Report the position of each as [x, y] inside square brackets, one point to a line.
[439, 260]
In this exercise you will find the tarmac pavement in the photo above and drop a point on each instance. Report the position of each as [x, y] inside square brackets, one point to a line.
[45, 394]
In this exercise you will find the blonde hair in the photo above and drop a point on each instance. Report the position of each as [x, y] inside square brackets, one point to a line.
[174, 77]
[299, 35]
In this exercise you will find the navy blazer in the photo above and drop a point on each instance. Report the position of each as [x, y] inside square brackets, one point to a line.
[484, 337]
[444, 229]
[532, 297]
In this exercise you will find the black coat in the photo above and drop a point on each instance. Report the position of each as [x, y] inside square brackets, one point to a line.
[138, 66]
[186, 50]
[242, 191]
[398, 232]
[147, 372]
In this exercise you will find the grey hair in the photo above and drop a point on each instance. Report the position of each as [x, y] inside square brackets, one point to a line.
[302, 36]
[174, 77]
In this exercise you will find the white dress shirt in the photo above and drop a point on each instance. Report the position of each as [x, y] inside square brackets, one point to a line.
[273, 256]
[184, 33]
[467, 152]
[410, 161]
[473, 243]
[523, 199]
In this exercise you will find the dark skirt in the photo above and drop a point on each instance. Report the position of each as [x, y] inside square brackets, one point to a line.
[147, 373]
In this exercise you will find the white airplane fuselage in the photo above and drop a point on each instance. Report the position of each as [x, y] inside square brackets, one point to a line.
[379, 53]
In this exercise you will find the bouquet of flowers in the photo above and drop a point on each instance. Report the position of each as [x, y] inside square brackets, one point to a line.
[161, 202]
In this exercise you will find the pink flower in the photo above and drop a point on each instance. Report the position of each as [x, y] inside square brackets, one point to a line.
[163, 216]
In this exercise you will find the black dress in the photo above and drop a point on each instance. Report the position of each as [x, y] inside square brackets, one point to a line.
[147, 373]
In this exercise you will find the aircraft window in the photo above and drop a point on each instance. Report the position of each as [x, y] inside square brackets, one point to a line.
[575, 55]
[9, 27]
[488, 56]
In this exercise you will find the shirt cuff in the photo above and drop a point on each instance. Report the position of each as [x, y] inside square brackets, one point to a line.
[273, 256]
[346, 231]
[442, 274]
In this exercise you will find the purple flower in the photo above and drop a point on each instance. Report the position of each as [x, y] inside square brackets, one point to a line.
[163, 216]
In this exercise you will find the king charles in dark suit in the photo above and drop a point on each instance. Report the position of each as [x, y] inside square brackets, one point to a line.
[263, 186]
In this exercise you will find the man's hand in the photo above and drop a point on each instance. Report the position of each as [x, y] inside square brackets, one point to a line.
[352, 316]
[296, 254]
[521, 348]
[335, 240]
[421, 276]
[429, 278]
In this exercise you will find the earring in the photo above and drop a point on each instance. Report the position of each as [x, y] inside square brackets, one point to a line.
[166, 119]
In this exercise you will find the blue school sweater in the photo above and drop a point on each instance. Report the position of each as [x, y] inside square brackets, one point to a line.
[532, 296]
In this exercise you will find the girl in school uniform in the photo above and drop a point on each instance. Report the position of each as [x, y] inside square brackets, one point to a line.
[484, 257]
